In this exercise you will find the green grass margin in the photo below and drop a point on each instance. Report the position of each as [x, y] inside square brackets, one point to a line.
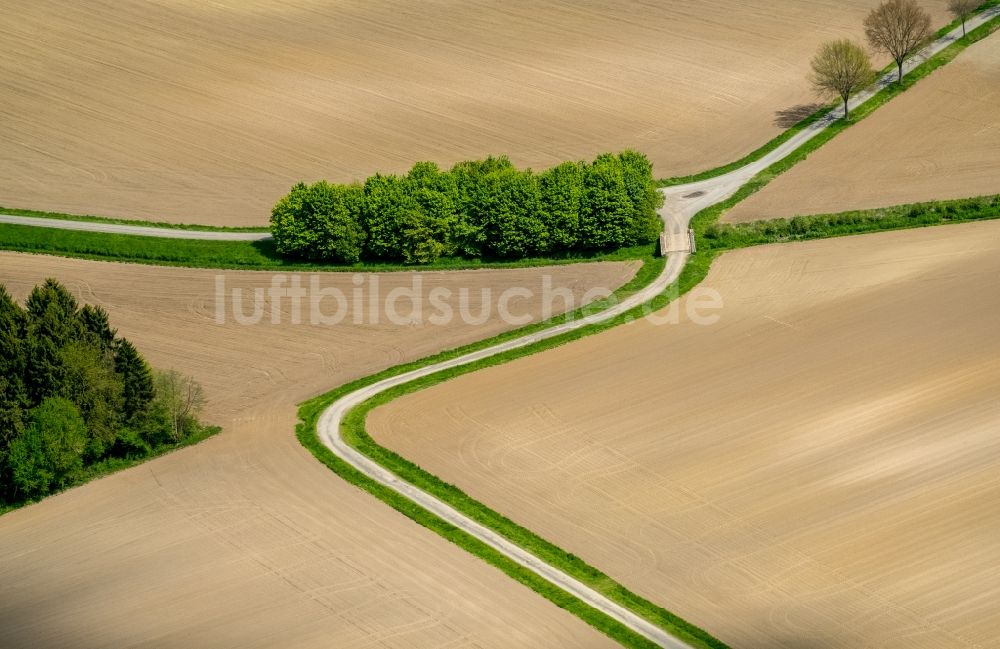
[786, 135]
[732, 236]
[693, 273]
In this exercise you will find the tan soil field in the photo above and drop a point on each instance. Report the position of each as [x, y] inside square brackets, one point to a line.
[818, 470]
[938, 140]
[246, 540]
[207, 112]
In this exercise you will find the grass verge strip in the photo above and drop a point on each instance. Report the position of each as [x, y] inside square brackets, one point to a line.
[730, 236]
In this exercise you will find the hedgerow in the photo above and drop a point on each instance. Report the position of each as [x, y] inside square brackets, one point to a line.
[484, 209]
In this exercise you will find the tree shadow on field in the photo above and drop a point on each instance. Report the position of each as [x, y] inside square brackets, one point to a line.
[789, 117]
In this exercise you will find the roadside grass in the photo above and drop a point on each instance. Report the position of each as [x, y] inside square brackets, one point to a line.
[730, 236]
[786, 135]
[116, 221]
[115, 464]
[239, 255]
[713, 239]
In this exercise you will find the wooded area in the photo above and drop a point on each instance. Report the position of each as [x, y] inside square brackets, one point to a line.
[73, 394]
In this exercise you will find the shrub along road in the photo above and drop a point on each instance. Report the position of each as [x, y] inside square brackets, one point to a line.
[683, 202]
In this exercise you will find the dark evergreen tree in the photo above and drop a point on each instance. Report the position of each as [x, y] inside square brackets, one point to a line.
[13, 365]
[95, 322]
[137, 380]
[51, 325]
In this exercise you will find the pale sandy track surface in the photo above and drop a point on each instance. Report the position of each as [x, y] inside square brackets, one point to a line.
[206, 112]
[939, 140]
[817, 470]
[246, 540]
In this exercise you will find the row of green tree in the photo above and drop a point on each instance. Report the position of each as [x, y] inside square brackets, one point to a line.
[73, 394]
[485, 209]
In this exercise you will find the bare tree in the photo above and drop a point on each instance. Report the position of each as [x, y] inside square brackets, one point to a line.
[182, 398]
[840, 69]
[962, 9]
[899, 28]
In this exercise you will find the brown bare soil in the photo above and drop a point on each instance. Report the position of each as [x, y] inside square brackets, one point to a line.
[246, 540]
[938, 140]
[207, 112]
[817, 469]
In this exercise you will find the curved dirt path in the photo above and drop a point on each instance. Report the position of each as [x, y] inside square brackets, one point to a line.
[681, 204]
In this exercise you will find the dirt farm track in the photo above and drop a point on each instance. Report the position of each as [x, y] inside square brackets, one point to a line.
[205, 112]
[817, 469]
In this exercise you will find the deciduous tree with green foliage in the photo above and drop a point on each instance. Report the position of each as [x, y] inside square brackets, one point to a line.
[507, 210]
[428, 233]
[321, 222]
[49, 453]
[606, 219]
[646, 200]
[388, 206]
[561, 196]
